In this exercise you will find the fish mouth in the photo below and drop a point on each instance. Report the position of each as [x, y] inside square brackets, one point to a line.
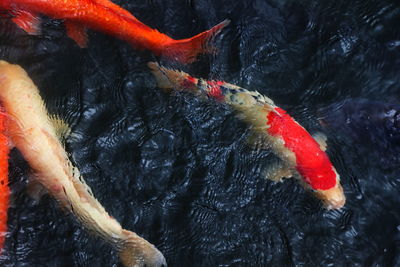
[136, 251]
[333, 198]
[334, 204]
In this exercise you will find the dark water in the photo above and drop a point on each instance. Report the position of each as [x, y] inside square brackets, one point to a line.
[178, 171]
[363, 121]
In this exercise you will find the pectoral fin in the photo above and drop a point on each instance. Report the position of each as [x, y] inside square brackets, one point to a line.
[257, 141]
[27, 21]
[321, 140]
[77, 32]
[278, 171]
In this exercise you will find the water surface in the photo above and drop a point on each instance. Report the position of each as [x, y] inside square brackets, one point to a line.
[178, 171]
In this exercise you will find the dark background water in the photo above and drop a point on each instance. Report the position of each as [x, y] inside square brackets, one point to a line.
[177, 170]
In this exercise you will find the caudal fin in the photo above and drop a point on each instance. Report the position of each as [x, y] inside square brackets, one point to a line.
[187, 50]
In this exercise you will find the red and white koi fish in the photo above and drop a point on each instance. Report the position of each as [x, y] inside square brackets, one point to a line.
[109, 18]
[4, 189]
[300, 153]
[34, 134]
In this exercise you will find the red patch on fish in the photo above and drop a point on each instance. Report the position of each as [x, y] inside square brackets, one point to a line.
[4, 189]
[214, 90]
[189, 82]
[312, 163]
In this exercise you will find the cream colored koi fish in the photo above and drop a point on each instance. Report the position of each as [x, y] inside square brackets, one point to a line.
[32, 132]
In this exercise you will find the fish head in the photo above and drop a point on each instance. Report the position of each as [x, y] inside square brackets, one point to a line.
[136, 251]
[332, 198]
[169, 79]
[319, 175]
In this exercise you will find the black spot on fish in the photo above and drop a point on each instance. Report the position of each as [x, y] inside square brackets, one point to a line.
[224, 90]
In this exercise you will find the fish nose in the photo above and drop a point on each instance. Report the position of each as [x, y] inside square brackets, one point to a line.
[335, 203]
[159, 262]
[155, 260]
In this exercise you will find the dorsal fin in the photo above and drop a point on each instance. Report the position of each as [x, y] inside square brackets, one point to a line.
[278, 171]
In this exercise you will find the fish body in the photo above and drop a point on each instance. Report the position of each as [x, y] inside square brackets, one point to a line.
[109, 18]
[299, 151]
[31, 130]
[4, 189]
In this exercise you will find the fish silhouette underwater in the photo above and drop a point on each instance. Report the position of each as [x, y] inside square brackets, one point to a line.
[301, 155]
[37, 136]
[109, 18]
[373, 125]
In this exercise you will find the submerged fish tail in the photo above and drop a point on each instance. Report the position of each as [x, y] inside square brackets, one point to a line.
[187, 50]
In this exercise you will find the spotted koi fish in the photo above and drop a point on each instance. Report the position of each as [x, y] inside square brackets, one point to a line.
[302, 156]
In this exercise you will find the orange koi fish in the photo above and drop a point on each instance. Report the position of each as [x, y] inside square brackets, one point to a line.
[301, 154]
[36, 135]
[4, 189]
[109, 18]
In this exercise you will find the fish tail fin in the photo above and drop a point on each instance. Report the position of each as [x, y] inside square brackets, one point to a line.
[187, 50]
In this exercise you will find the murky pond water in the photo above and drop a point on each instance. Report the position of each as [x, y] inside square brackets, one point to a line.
[178, 171]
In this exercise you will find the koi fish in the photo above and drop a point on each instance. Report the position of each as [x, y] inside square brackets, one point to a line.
[109, 18]
[301, 155]
[35, 136]
[4, 189]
